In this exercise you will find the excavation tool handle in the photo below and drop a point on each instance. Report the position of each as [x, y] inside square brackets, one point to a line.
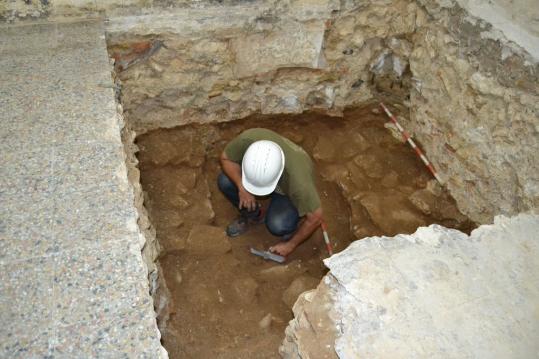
[268, 255]
[326, 237]
[406, 136]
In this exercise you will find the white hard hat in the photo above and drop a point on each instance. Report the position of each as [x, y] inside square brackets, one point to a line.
[261, 167]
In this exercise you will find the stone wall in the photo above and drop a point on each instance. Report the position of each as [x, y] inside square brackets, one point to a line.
[60, 10]
[469, 94]
[150, 246]
[223, 64]
[475, 109]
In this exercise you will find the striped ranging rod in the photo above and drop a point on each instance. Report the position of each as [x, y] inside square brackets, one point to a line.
[326, 237]
[408, 138]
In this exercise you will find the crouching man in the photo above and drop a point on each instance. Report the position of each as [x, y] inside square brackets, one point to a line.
[260, 162]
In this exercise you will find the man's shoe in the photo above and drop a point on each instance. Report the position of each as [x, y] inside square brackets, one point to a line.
[241, 224]
[237, 227]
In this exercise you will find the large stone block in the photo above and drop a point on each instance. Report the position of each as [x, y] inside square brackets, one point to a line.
[425, 295]
[296, 45]
[207, 240]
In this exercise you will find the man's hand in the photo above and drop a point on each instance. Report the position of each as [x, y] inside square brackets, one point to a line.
[247, 200]
[233, 171]
[283, 249]
[310, 224]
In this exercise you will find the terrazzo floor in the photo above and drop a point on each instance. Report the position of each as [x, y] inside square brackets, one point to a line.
[72, 280]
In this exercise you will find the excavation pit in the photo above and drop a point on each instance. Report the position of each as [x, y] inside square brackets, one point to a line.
[228, 303]
[461, 75]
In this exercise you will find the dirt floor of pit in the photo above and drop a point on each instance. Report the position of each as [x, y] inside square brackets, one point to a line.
[227, 303]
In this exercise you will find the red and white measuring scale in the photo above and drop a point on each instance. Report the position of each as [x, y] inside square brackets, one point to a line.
[408, 138]
[326, 237]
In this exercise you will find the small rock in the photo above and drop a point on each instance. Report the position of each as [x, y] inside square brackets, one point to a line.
[282, 272]
[391, 180]
[265, 323]
[357, 180]
[370, 164]
[360, 232]
[325, 148]
[395, 133]
[168, 219]
[178, 278]
[186, 180]
[207, 240]
[171, 239]
[245, 289]
[423, 200]
[298, 286]
[200, 211]
[335, 173]
[389, 211]
[434, 187]
[432, 201]
[176, 201]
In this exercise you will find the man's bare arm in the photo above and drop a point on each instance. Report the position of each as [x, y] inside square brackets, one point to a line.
[308, 226]
[233, 171]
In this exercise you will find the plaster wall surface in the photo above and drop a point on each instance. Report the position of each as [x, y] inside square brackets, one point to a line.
[518, 20]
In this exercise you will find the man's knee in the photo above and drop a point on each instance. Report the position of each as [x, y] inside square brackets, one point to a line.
[225, 184]
[282, 224]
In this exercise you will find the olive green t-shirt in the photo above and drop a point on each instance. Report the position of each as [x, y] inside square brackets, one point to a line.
[297, 180]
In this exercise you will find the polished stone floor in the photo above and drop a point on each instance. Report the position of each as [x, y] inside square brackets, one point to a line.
[72, 280]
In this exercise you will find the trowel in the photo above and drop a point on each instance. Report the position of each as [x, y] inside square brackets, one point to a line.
[268, 255]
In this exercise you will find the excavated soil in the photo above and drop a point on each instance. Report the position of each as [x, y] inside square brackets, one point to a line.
[227, 303]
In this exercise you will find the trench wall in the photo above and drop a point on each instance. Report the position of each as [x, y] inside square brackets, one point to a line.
[467, 93]
[151, 248]
[474, 107]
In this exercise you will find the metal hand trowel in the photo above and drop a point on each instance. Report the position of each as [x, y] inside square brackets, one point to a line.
[268, 255]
